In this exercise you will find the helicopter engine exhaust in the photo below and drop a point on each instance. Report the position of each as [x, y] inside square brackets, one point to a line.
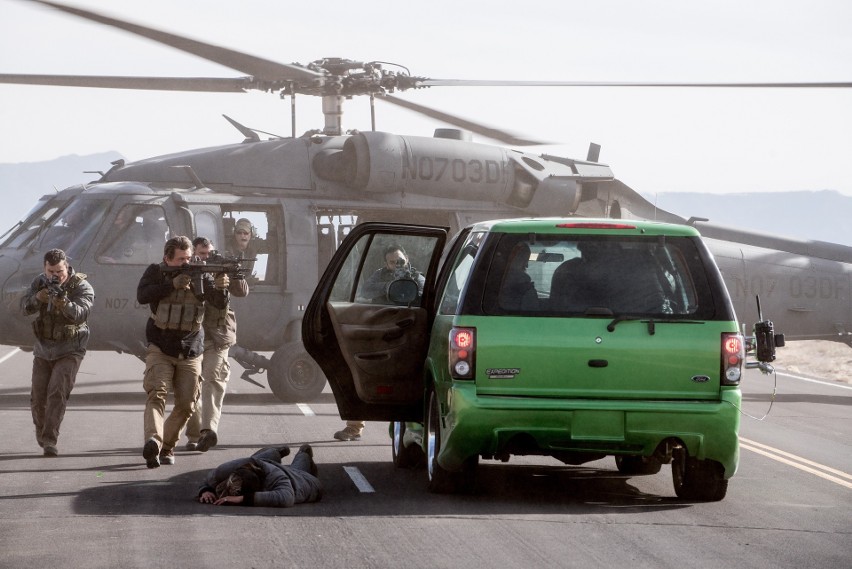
[451, 169]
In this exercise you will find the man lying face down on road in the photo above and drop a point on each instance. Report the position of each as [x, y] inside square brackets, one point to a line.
[261, 480]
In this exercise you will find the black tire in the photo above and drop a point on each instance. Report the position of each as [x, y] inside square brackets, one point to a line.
[637, 465]
[404, 456]
[442, 481]
[293, 375]
[697, 480]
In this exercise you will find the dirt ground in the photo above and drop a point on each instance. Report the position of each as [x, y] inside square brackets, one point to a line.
[816, 358]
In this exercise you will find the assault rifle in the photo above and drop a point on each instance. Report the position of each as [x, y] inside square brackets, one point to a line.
[54, 290]
[216, 264]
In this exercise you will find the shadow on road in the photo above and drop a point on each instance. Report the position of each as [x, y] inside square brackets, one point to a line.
[501, 490]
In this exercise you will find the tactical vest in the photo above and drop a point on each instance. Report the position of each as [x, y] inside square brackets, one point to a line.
[215, 317]
[52, 324]
[179, 311]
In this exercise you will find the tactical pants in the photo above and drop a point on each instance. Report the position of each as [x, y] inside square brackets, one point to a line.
[164, 373]
[52, 383]
[215, 372]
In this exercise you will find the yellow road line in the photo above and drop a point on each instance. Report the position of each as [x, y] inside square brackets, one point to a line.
[798, 462]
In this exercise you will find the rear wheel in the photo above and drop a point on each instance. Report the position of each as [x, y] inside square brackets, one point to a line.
[637, 465]
[404, 456]
[293, 375]
[699, 480]
[442, 481]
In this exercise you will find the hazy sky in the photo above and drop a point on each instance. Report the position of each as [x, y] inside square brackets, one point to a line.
[656, 140]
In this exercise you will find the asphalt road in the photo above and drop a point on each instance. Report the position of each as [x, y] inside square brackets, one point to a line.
[96, 505]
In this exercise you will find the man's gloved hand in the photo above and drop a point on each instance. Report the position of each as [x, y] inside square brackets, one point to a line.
[222, 281]
[60, 302]
[42, 296]
[181, 282]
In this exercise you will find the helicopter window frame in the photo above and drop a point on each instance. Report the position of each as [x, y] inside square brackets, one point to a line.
[208, 223]
[21, 234]
[74, 228]
[269, 249]
[135, 240]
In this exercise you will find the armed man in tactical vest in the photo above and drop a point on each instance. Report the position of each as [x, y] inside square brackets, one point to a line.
[178, 299]
[220, 333]
[62, 299]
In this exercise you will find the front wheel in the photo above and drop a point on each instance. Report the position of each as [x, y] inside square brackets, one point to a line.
[293, 375]
[699, 480]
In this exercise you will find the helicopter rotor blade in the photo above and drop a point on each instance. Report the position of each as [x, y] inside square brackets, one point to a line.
[477, 128]
[502, 83]
[258, 67]
[208, 84]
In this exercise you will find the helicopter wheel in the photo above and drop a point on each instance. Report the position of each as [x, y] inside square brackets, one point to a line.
[293, 375]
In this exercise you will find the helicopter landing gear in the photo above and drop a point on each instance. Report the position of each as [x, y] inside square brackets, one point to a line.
[293, 375]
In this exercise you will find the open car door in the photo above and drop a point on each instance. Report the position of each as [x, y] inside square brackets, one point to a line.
[367, 324]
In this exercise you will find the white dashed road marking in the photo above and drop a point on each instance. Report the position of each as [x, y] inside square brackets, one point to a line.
[358, 478]
[305, 409]
[9, 355]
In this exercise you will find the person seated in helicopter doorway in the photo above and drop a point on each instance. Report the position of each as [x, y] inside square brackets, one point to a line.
[262, 480]
[220, 333]
[245, 243]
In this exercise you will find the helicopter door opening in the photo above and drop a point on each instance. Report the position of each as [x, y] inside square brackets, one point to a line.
[253, 234]
[331, 231]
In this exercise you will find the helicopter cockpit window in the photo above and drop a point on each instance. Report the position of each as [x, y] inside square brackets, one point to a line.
[136, 236]
[21, 234]
[74, 229]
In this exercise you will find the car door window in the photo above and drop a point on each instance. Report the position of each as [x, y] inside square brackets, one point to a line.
[459, 274]
[388, 258]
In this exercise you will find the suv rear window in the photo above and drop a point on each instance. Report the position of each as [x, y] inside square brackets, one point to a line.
[558, 275]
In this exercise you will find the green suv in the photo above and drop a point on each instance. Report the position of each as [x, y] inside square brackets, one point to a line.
[571, 338]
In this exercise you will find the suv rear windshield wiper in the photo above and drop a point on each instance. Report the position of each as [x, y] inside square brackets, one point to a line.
[651, 322]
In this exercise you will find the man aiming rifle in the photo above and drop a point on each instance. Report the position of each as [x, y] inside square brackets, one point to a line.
[217, 265]
[220, 333]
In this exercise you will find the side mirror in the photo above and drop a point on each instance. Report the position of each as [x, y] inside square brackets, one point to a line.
[402, 292]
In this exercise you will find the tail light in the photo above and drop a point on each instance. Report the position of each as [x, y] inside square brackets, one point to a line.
[462, 353]
[733, 357]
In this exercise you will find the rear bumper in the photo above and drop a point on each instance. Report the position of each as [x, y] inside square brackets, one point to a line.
[485, 425]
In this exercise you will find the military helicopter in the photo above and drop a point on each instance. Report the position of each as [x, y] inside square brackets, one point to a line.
[303, 194]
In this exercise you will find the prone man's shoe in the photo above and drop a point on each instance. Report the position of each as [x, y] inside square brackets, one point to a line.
[191, 445]
[208, 440]
[151, 453]
[348, 434]
[310, 452]
[283, 451]
[50, 450]
[167, 456]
